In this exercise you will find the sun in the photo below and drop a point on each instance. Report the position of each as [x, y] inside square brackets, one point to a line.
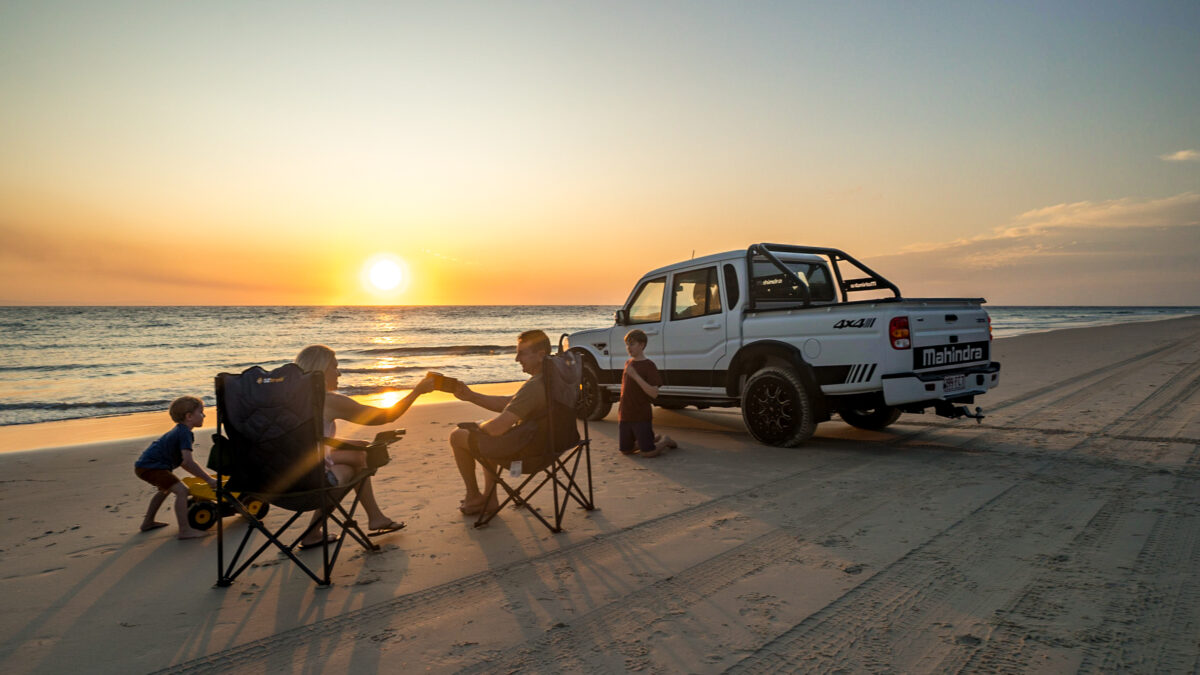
[385, 273]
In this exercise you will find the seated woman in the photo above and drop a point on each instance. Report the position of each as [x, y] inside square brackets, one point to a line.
[345, 463]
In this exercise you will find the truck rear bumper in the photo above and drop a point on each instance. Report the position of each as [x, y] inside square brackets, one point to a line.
[905, 388]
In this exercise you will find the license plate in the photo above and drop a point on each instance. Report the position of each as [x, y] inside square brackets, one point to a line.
[954, 383]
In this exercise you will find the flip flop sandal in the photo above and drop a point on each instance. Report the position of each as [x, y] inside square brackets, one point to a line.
[331, 539]
[390, 527]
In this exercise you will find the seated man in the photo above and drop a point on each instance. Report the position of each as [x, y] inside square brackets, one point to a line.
[508, 434]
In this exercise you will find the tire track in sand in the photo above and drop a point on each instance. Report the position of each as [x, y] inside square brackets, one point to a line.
[860, 630]
[1150, 624]
[616, 627]
[1026, 635]
[1103, 371]
[478, 589]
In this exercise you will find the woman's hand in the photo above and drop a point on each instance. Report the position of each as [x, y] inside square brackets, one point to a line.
[424, 386]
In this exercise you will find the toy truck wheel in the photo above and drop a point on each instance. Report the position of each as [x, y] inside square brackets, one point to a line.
[594, 402]
[873, 419]
[202, 515]
[778, 408]
[257, 507]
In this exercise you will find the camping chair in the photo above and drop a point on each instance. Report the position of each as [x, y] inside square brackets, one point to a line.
[557, 455]
[268, 442]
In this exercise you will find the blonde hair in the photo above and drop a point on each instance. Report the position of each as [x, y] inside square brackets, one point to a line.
[182, 407]
[315, 358]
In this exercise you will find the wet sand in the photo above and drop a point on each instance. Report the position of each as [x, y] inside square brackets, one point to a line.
[1061, 534]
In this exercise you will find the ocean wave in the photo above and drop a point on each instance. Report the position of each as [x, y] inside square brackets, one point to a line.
[382, 371]
[55, 367]
[93, 405]
[443, 350]
[364, 390]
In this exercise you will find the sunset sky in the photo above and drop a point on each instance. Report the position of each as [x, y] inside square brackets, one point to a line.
[525, 153]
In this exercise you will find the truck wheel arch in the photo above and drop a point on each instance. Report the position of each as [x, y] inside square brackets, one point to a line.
[752, 357]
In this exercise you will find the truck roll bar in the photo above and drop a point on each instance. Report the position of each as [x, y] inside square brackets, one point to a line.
[872, 281]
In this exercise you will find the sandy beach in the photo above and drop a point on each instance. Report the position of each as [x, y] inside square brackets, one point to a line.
[1061, 534]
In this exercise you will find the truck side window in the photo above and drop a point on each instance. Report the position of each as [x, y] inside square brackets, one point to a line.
[647, 304]
[731, 285]
[696, 294]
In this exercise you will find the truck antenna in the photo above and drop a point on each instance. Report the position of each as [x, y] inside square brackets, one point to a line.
[693, 254]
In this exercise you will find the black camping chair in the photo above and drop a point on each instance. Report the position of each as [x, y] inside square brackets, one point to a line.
[557, 456]
[268, 441]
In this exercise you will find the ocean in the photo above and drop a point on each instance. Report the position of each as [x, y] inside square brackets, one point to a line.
[72, 362]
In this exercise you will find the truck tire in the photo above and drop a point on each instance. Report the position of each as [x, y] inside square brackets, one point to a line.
[872, 419]
[594, 401]
[778, 408]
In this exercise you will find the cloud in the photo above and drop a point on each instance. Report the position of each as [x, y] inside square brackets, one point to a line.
[1182, 156]
[1116, 252]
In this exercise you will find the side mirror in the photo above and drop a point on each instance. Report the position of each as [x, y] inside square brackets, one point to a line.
[621, 317]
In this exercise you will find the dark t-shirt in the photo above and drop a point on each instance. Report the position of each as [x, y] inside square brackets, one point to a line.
[635, 402]
[167, 451]
[530, 400]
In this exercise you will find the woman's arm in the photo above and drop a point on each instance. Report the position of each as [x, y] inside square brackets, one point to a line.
[342, 407]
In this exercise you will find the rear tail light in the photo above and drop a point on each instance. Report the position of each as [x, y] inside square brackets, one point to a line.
[989, 328]
[898, 333]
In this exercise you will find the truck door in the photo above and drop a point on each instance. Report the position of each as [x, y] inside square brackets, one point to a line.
[695, 328]
[644, 312]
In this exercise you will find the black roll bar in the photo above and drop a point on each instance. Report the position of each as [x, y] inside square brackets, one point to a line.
[873, 281]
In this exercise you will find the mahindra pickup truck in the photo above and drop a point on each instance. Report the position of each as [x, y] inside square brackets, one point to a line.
[793, 335]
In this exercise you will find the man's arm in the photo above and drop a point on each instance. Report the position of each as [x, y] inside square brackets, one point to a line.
[500, 423]
[495, 404]
[189, 464]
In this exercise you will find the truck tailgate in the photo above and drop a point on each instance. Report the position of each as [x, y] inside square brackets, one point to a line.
[949, 337]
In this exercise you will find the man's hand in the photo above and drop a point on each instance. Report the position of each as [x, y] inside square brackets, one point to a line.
[461, 391]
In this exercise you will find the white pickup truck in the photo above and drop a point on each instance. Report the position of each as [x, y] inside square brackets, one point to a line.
[773, 329]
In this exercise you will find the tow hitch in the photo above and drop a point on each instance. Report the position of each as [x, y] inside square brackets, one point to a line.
[955, 411]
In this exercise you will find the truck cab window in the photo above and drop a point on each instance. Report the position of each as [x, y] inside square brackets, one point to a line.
[696, 294]
[647, 304]
[770, 284]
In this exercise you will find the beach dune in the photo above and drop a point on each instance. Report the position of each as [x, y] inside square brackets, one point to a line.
[1059, 534]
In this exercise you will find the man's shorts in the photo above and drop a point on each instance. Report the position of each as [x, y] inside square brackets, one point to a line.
[642, 432]
[160, 478]
[512, 444]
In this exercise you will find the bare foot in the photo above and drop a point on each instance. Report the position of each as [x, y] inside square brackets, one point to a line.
[666, 442]
[192, 533]
[472, 508]
[153, 525]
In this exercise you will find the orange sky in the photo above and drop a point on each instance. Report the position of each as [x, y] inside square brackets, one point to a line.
[528, 155]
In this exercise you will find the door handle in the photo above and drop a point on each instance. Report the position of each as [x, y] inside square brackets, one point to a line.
[651, 331]
[711, 326]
